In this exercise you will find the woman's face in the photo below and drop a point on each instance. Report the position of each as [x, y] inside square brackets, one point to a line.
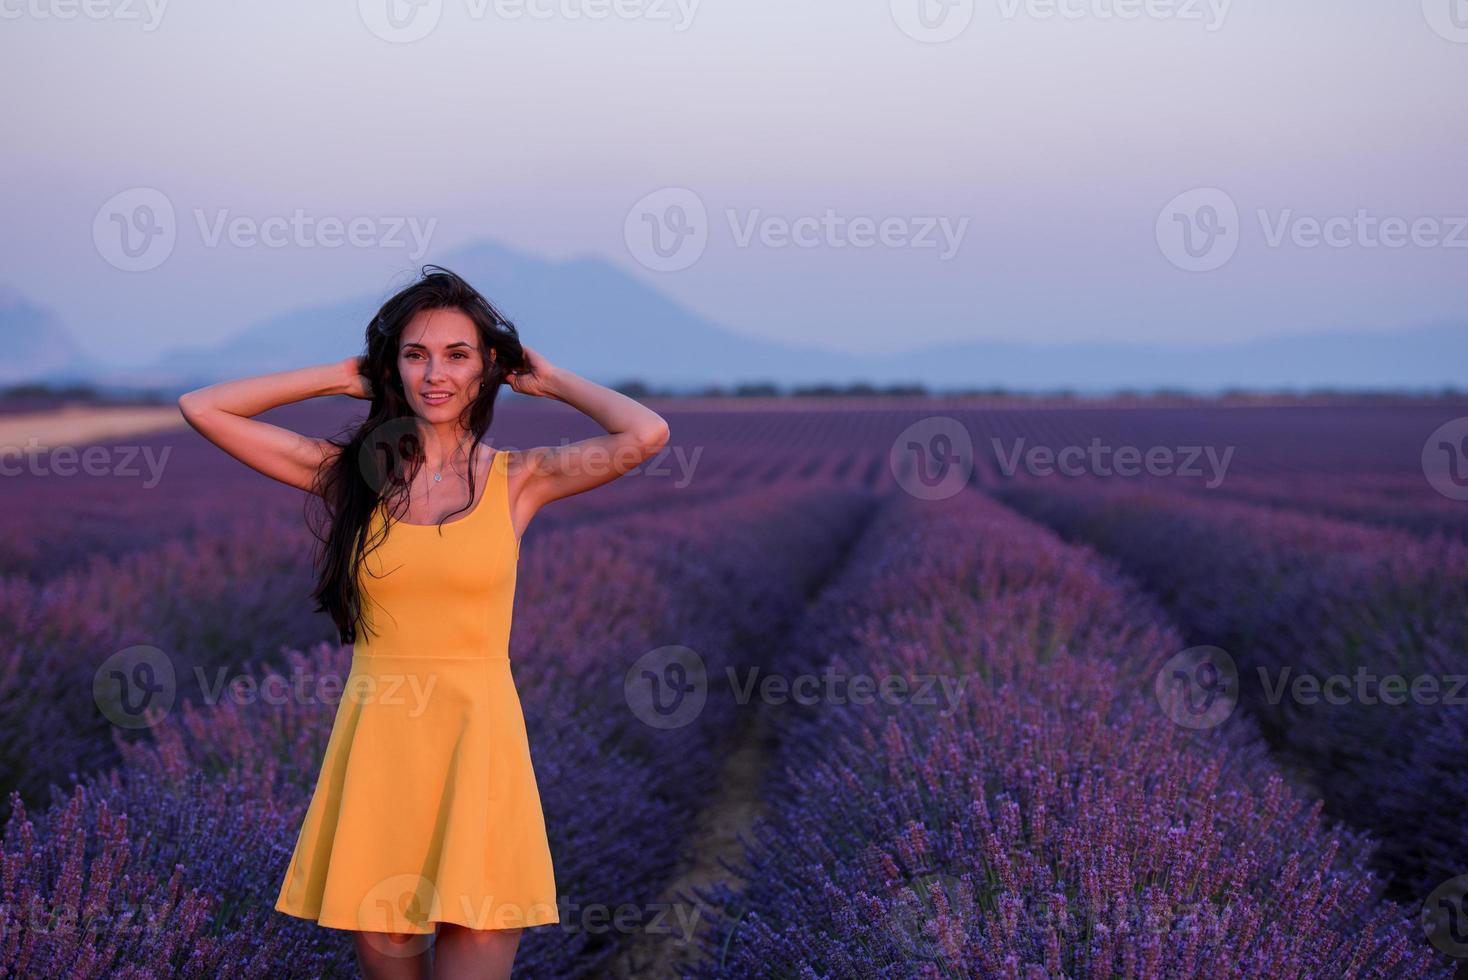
[441, 363]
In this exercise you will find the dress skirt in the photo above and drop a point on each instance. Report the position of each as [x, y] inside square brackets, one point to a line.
[426, 809]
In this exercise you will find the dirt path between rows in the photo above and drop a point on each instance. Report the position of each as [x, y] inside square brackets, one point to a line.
[80, 425]
[715, 835]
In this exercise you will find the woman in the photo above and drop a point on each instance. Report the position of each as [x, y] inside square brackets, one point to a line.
[424, 833]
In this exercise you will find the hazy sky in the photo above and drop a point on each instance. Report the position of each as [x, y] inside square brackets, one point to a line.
[1050, 138]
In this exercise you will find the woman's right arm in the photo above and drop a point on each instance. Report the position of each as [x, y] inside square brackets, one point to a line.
[222, 413]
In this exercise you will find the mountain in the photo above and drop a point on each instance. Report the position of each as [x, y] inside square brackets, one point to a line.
[1425, 357]
[584, 313]
[37, 346]
[602, 323]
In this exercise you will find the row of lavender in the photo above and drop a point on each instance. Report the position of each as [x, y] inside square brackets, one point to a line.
[1349, 645]
[675, 601]
[1407, 502]
[1363, 460]
[211, 595]
[68, 507]
[1044, 817]
[232, 595]
[195, 829]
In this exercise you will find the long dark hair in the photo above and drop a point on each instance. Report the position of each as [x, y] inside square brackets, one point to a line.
[382, 453]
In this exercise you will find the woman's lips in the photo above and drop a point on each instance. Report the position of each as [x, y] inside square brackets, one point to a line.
[436, 399]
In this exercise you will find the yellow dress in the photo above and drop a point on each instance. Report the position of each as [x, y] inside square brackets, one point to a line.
[426, 808]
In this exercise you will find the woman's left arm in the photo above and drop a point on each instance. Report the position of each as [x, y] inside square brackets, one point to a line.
[635, 433]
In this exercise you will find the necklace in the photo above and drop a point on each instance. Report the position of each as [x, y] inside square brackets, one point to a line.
[438, 476]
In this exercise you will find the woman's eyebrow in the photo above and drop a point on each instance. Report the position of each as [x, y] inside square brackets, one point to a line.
[457, 343]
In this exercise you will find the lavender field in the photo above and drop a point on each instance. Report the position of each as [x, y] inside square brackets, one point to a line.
[860, 689]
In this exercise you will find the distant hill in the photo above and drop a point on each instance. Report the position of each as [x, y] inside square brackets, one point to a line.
[585, 314]
[606, 324]
[1426, 357]
[37, 344]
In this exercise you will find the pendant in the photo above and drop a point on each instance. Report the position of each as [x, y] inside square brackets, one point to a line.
[438, 478]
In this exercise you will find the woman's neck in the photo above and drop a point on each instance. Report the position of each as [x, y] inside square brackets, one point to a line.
[434, 455]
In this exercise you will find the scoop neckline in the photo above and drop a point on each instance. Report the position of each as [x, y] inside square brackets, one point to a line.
[472, 510]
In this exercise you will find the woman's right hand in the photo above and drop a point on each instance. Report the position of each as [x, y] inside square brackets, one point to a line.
[355, 383]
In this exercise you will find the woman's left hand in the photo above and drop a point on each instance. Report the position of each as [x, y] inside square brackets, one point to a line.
[535, 378]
